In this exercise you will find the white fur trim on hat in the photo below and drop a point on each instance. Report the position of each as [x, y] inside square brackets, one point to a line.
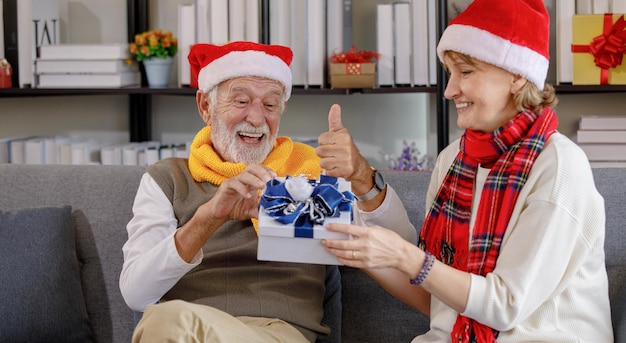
[242, 64]
[487, 47]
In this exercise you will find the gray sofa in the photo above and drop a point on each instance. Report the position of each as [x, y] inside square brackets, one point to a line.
[101, 198]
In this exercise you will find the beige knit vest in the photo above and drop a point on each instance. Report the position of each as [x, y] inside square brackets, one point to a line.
[230, 277]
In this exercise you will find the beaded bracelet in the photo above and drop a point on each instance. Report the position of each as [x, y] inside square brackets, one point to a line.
[429, 261]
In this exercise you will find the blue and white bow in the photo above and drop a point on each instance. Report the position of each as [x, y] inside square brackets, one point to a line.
[304, 202]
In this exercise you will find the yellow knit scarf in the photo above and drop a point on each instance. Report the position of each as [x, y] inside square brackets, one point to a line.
[286, 158]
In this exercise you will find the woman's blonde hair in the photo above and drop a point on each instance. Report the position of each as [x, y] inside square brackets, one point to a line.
[528, 97]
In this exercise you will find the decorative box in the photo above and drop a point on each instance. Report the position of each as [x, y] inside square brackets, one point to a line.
[352, 75]
[598, 48]
[292, 214]
[5, 74]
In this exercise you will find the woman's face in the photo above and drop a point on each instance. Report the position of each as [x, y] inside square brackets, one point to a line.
[482, 93]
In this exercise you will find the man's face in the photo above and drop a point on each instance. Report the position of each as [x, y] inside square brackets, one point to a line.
[244, 123]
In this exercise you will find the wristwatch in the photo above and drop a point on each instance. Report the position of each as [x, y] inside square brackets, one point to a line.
[379, 185]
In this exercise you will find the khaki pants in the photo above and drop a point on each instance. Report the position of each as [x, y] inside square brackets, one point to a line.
[181, 321]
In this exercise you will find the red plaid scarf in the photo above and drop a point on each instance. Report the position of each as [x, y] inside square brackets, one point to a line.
[509, 152]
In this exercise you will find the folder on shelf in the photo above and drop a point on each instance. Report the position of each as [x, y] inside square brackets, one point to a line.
[315, 42]
[384, 44]
[402, 43]
[419, 43]
[186, 38]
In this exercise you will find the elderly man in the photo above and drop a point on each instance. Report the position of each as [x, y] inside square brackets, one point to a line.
[190, 259]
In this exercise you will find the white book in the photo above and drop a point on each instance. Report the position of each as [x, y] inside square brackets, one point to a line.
[316, 42]
[116, 80]
[236, 20]
[84, 66]
[186, 38]
[384, 43]
[433, 60]
[419, 42]
[17, 150]
[584, 6]
[219, 22]
[25, 43]
[203, 28]
[601, 136]
[604, 151]
[602, 123]
[334, 27]
[166, 151]
[111, 154]
[35, 150]
[402, 43]
[111, 51]
[618, 6]
[280, 22]
[298, 41]
[600, 6]
[253, 21]
[565, 9]
[86, 152]
[12, 149]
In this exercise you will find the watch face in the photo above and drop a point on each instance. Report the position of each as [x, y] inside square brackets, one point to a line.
[379, 181]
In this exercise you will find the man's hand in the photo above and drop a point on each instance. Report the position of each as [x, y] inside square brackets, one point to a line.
[339, 156]
[237, 197]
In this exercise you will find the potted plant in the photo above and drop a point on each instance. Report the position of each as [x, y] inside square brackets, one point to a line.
[156, 50]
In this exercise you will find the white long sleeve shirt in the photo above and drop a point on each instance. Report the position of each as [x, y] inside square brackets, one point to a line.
[550, 282]
[152, 265]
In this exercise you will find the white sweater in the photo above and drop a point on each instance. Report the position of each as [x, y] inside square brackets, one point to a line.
[550, 282]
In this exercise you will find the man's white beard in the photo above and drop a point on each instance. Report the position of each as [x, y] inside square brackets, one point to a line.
[230, 147]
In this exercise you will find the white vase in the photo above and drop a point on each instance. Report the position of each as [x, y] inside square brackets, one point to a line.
[158, 71]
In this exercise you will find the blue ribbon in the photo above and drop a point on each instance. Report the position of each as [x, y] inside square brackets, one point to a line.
[325, 201]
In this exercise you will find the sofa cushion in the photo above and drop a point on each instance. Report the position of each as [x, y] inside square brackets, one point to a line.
[42, 298]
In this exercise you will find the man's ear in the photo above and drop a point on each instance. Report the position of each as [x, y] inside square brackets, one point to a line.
[518, 83]
[204, 109]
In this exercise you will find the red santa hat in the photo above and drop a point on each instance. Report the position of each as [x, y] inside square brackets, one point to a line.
[512, 34]
[211, 64]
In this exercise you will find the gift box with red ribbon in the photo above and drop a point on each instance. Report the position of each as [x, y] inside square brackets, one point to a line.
[598, 48]
[5, 74]
[353, 69]
[293, 212]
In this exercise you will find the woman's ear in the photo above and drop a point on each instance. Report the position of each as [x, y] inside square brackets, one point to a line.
[518, 83]
[204, 109]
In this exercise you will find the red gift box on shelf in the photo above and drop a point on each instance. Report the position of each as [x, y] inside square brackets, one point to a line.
[598, 48]
[5, 74]
[353, 69]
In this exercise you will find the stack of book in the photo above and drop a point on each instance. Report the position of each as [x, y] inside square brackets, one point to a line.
[603, 138]
[86, 66]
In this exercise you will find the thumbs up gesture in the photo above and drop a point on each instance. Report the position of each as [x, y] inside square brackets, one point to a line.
[339, 156]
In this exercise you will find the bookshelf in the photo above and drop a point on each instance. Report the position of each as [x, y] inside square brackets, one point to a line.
[140, 104]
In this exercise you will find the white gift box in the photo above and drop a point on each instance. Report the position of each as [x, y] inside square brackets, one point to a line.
[278, 242]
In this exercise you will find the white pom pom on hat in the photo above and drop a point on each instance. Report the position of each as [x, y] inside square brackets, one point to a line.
[212, 64]
[510, 34]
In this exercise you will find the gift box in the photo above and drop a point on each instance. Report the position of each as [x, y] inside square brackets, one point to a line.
[293, 212]
[352, 75]
[353, 69]
[598, 48]
[5, 74]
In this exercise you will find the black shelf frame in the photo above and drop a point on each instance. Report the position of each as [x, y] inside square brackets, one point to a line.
[140, 98]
